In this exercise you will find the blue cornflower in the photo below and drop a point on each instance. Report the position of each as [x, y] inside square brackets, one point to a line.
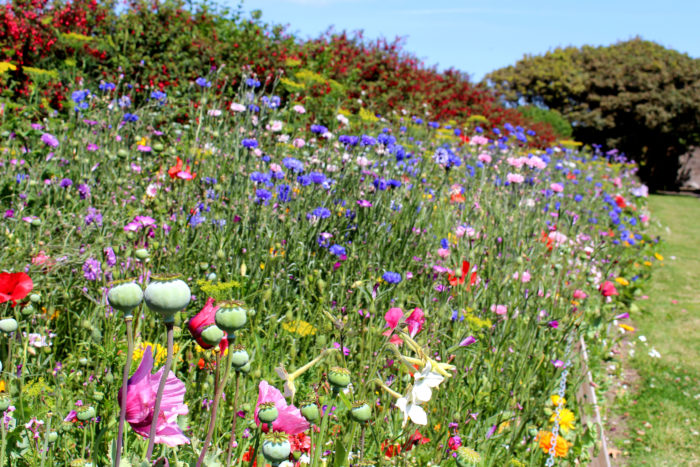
[124, 102]
[441, 156]
[337, 250]
[292, 164]
[107, 87]
[202, 82]
[317, 177]
[392, 277]
[283, 193]
[249, 143]
[271, 102]
[319, 129]
[65, 183]
[79, 96]
[252, 82]
[304, 180]
[160, 96]
[259, 177]
[262, 194]
[130, 117]
[444, 243]
[320, 213]
[368, 141]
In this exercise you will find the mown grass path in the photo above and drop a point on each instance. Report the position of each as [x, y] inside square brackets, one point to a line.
[662, 411]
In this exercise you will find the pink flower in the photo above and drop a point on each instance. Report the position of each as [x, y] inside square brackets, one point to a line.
[515, 178]
[579, 294]
[141, 397]
[443, 252]
[414, 321]
[485, 157]
[526, 277]
[289, 418]
[499, 309]
[202, 320]
[607, 289]
[557, 187]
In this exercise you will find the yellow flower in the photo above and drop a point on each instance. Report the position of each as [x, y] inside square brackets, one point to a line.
[658, 256]
[4, 66]
[299, 327]
[626, 327]
[161, 352]
[544, 438]
[566, 420]
[647, 263]
[622, 281]
[555, 400]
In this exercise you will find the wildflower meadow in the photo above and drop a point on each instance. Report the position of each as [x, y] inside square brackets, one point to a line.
[217, 275]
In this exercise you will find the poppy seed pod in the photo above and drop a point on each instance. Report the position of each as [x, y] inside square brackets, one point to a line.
[361, 411]
[8, 325]
[231, 316]
[268, 413]
[124, 295]
[212, 334]
[167, 295]
[276, 447]
[86, 413]
[239, 357]
[339, 377]
[309, 410]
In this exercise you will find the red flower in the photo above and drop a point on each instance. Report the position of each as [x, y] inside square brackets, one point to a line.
[459, 280]
[176, 171]
[173, 171]
[14, 286]
[300, 442]
[202, 320]
[416, 440]
[620, 201]
[607, 288]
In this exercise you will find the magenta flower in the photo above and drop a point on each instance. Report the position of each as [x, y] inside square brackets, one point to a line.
[468, 341]
[141, 397]
[289, 418]
[414, 321]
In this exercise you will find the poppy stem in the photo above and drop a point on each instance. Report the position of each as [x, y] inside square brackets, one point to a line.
[159, 394]
[125, 383]
[233, 424]
[362, 442]
[220, 385]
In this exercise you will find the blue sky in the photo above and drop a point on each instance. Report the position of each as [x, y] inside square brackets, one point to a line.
[480, 36]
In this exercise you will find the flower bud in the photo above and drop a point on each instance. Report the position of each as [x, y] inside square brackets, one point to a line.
[212, 334]
[167, 295]
[239, 357]
[309, 410]
[276, 447]
[268, 412]
[231, 316]
[361, 411]
[339, 377]
[467, 457]
[124, 296]
[8, 325]
[142, 254]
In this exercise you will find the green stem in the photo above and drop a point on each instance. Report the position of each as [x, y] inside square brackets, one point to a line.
[220, 385]
[125, 382]
[4, 440]
[322, 435]
[46, 440]
[233, 424]
[159, 394]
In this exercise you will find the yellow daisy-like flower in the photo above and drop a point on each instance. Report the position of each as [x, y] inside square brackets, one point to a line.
[544, 438]
[626, 327]
[566, 420]
[556, 400]
[299, 327]
[622, 281]
[647, 263]
[161, 352]
[658, 256]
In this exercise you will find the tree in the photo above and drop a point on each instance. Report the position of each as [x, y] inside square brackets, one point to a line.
[636, 96]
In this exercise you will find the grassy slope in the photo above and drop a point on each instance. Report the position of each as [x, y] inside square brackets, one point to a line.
[664, 411]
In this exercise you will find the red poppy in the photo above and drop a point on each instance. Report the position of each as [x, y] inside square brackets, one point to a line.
[459, 280]
[177, 171]
[464, 138]
[14, 286]
[458, 198]
[248, 456]
[548, 241]
[416, 439]
[390, 450]
[621, 202]
[173, 171]
[205, 318]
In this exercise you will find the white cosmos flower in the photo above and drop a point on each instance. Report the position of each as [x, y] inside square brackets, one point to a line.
[425, 380]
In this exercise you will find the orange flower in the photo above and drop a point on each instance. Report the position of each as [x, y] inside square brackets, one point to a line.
[176, 171]
[545, 440]
[457, 198]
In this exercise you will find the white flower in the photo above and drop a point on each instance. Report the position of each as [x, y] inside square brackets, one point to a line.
[653, 353]
[425, 380]
[643, 338]
[412, 410]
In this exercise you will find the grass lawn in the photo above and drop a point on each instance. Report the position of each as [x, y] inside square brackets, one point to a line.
[662, 411]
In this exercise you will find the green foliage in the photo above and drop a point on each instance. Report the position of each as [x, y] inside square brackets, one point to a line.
[538, 114]
[637, 96]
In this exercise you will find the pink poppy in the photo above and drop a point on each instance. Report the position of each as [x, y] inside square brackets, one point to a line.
[579, 294]
[141, 397]
[414, 321]
[289, 418]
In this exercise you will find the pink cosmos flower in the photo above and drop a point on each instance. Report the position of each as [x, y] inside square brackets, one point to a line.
[141, 397]
[289, 418]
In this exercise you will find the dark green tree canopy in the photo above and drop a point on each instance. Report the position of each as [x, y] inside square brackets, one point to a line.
[637, 96]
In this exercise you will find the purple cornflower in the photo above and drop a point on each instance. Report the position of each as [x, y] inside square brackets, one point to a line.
[65, 183]
[110, 257]
[49, 140]
[140, 222]
[84, 190]
[93, 216]
[337, 250]
[392, 277]
[92, 269]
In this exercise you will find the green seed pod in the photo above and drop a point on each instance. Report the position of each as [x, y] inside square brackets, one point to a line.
[5, 403]
[167, 295]
[52, 436]
[276, 447]
[109, 378]
[339, 377]
[86, 413]
[268, 412]
[28, 310]
[212, 334]
[35, 298]
[245, 369]
[123, 153]
[211, 277]
[124, 295]
[142, 254]
[221, 254]
[309, 410]
[157, 147]
[231, 316]
[361, 411]
[98, 395]
[239, 357]
[96, 335]
[8, 325]
[467, 457]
